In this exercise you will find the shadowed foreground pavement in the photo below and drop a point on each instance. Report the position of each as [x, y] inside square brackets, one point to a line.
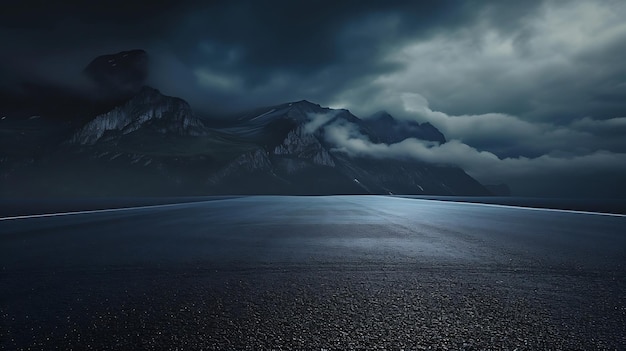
[335, 272]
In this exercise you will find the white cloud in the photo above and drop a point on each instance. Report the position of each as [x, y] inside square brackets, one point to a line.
[484, 165]
[316, 120]
[508, 135]
[550, 65]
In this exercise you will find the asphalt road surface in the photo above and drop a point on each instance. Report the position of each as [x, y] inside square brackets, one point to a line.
[331, 272]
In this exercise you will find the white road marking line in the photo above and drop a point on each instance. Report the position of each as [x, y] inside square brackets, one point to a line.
[95, 211]
[521, 207]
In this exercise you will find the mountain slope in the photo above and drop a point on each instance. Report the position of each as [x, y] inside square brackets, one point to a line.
[303, 160]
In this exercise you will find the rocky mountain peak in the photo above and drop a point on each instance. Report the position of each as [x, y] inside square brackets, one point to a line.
[383, 115]
[119, 75]
[305, 103]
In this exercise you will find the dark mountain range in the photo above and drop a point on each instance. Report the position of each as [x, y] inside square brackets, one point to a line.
[152, 144]
[391, 130]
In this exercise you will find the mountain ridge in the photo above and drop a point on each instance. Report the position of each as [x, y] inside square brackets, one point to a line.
[153, 144]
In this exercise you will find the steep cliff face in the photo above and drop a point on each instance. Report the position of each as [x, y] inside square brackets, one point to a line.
[149, 109]
[304, 145]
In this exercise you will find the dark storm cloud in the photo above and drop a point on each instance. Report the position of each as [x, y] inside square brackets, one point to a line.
[271, 52]
[229, 54]
[52, 41]
[533, 59]
[82, 19]
[559, 63]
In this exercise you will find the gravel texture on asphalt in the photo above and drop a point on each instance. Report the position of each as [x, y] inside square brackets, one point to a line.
[314, 273]
[281, 307]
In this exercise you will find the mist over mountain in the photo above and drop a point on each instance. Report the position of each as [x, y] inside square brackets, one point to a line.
[147, 143]
[391, 130]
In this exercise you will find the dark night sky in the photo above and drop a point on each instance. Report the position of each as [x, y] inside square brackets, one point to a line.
[532, 93]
